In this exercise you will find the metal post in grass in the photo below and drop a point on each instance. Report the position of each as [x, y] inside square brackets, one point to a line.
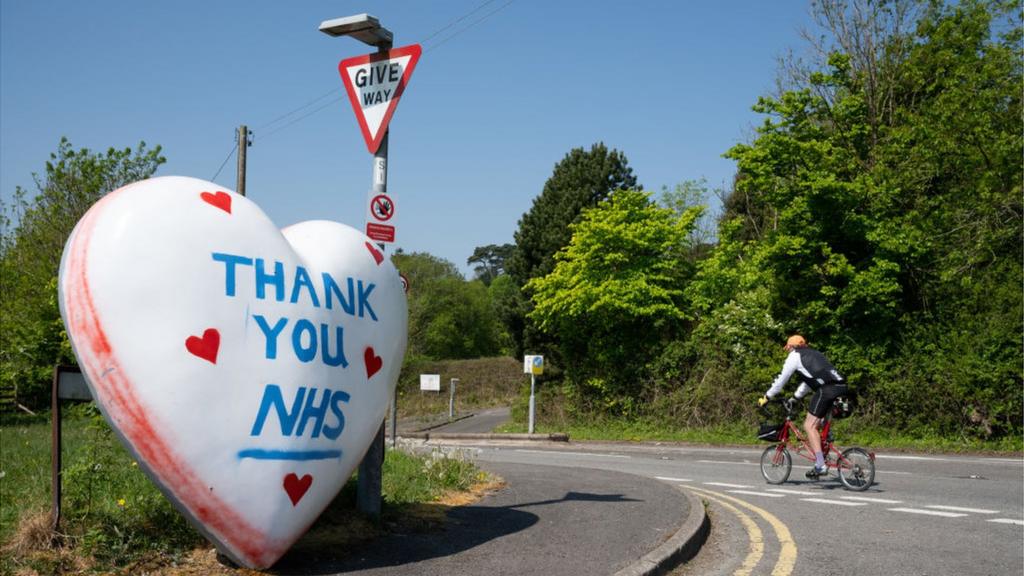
[451, 398]
[68, 384]
[533, 365]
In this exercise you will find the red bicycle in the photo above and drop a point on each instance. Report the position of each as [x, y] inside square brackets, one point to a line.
[854, 466]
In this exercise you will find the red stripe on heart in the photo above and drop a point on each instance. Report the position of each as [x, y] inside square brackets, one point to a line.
[296, 487]
[205, 347]
[105, 371]
[373, 362]
[377, 255]
[221, 200]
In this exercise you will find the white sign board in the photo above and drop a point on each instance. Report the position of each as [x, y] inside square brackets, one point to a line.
[431, 382]
[533, 365]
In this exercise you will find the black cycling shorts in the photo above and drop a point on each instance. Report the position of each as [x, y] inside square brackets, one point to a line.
[823, 397]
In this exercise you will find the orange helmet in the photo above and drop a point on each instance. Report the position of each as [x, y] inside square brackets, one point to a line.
[795, 341]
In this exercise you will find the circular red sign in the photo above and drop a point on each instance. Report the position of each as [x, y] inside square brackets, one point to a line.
[382, 207]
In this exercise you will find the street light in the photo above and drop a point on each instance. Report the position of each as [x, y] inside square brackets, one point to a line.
[362, 27]
[367, 29]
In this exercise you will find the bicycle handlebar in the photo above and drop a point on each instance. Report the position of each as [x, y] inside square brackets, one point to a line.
[789, 405]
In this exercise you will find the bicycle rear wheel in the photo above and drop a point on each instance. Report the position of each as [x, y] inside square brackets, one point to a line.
[856, 469]
[776, 464]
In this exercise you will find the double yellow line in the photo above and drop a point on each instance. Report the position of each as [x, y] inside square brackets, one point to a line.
[787, 552]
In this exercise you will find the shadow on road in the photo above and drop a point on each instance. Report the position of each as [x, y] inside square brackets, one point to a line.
[578, 497]
[466, 527]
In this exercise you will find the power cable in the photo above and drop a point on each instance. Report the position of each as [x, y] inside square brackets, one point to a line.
[304, 116]
[224, 163]
[456, 21]
[439, 31]
[474, 23]
[299, 109]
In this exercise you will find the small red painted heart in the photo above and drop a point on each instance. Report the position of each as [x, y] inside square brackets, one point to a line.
[296, 487]
[221, 200]
[373, 362]
[205, 347]
[377, 255]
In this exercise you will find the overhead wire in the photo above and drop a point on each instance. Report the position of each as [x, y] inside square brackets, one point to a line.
[224, 163]
[300, 108]
[456, 21]
[312, 102]
[304, 116]
[472, 24]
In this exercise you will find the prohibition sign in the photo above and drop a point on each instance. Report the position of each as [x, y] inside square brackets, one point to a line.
[382, 207]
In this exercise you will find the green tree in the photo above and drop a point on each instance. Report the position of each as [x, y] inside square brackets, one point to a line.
[580, 180]
[35, 228]
[879, 212]
[693, 194]
[490, 261]
[616, 292]
[505, 296]
[449, 318]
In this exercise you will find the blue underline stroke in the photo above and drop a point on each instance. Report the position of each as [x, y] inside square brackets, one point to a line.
[301, 455]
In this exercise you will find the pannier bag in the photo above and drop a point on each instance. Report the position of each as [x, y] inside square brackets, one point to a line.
[769, 432]
[842, 407]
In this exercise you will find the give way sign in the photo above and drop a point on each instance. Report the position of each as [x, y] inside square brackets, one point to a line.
[374, 83]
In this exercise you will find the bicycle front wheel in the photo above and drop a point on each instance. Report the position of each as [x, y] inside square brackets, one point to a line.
[776, 464]
[856, 469]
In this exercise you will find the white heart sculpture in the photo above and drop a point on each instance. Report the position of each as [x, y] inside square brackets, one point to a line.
[247, 369]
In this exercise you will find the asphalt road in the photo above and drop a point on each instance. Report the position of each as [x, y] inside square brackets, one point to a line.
[926, 515]
[481, 421]
[548, 521]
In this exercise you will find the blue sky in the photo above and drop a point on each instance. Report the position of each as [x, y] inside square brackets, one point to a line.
[486, 116]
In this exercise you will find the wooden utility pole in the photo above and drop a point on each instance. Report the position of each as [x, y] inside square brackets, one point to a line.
[244, 141]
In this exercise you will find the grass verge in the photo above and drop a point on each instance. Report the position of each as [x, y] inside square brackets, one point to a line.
[847, 432]
[114, 519]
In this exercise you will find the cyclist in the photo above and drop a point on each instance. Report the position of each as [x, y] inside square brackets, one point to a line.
[816, 374]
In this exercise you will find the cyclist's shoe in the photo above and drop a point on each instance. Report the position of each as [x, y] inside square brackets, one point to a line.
[815, 472]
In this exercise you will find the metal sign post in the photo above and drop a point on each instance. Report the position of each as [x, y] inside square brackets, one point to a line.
[533, 402]
[451, 398]
[68, 384]
[374, 83]
[533, 365]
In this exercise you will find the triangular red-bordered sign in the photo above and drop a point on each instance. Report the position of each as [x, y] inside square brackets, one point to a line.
[374, 83]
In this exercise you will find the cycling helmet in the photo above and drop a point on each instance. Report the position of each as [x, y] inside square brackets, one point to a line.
[795, 341]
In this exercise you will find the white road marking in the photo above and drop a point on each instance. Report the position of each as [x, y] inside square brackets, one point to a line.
[1007, 521]
[959, 509]
[836, 502]
[728, 462]
[925, 458]
[561, 453]
[752, 493]
[670, 479]
[793, 492]
[874, 500]
[928, 512]
[937, 459]
[724, 485]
